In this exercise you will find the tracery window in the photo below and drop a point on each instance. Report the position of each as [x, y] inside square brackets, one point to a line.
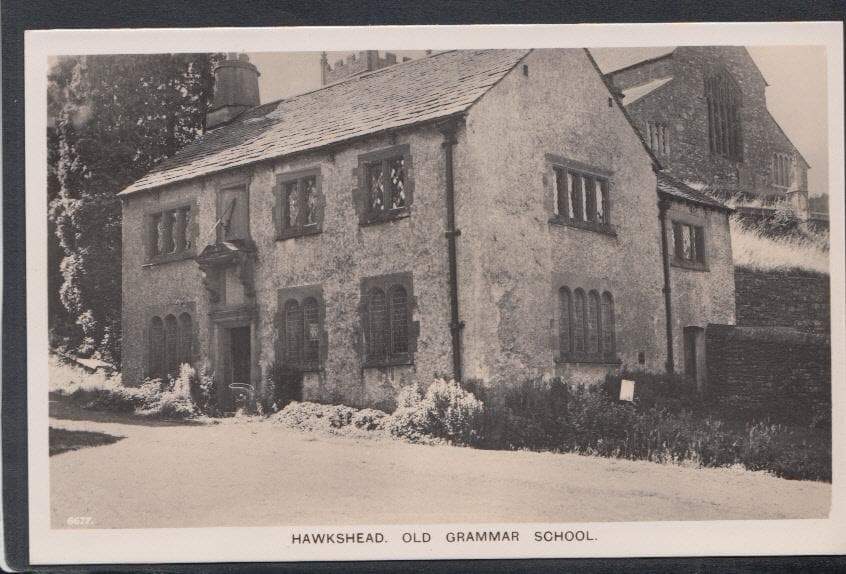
[724, 120]
[782, 169]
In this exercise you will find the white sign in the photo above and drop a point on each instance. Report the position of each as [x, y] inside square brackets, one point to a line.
[626, 390]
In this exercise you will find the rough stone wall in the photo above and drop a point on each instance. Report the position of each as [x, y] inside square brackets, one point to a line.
[149, 287]
[682, 106]
[779, 299]
[701, 296]
[512, 259]
[336, 259]
[770, 372]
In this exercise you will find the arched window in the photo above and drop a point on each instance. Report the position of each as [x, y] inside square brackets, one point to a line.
[186, 339]
[593, 324]
[565, 313]
[579, 322]
[311, 331]
[399, 319]
[293, 332]
[724, 122]
[156, 358]
[171, 346]
[377, 327]
[608, 326]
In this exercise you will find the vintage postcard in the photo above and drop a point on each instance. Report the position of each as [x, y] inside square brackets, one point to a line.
[435, 292]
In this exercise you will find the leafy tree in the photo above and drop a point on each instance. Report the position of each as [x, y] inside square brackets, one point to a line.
[114, 117]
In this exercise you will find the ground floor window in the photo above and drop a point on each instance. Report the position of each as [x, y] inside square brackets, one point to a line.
[171, 343]
[300, 331]
[586, 327]
[387, 319]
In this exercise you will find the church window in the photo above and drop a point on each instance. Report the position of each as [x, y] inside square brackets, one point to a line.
[724, 102]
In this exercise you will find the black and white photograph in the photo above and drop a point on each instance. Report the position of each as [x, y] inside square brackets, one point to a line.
[511, 298]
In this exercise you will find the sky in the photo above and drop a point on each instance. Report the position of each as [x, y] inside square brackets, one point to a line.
[796, 95]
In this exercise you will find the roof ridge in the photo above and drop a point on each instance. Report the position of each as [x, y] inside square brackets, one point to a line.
[349, 78]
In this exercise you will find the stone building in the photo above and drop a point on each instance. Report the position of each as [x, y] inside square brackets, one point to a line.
[703, 111]
[488, 214]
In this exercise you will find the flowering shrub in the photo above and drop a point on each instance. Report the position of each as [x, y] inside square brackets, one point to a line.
[170, 398]
[446, 411]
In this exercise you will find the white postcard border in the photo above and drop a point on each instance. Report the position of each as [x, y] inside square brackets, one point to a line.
[763, 537]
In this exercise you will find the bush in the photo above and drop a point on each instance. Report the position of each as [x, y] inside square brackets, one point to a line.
[285, 385]
[667, 422]
[446, 411]
[204, 393]
[171, 398]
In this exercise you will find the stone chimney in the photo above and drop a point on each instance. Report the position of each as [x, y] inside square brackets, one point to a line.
[355, 64]
[235, 89]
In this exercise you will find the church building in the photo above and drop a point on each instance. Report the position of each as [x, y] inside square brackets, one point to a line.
[488, 214]
[703, 112]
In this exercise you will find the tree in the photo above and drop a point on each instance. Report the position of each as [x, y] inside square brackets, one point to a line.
[115, 117]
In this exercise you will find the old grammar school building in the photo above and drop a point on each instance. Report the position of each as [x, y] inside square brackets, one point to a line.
[494, 214]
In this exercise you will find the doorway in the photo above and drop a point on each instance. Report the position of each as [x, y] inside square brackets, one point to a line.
[694, 354]
[237, 360]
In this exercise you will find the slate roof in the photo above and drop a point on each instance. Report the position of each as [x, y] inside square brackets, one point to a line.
[671, 186]
[404, 94]
[633, 94]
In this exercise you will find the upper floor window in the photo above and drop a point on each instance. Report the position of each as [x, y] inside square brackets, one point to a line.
[689, 244]
[724, 121]
[582, 198]
[299, 205]
[658, 136]
[586, 327]
[299, 322]
[233, 213]
[171, 344]
[782, 169]
[171, 234]
[389, 334]
[385, 184]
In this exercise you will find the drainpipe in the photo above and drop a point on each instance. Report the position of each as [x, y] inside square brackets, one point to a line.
[455, 324]
[663, 206]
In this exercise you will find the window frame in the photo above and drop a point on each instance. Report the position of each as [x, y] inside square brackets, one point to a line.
[699, 245]
[367, 216]
[387, 285]
[560, 169]
[724, 103]
[182, 340]
[658, 132]
[280, 207]
[152, 215]
[573, 342]
[782, 160]
[239, 184]
[300, 295]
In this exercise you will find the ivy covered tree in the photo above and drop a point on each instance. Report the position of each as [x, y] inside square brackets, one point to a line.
[112, 118]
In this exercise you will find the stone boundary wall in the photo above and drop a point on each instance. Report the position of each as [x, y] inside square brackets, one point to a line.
[775, 373]
[783, 299]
